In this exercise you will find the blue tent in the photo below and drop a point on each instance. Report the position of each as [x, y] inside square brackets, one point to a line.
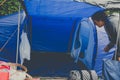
[57, 27]
[8, 36]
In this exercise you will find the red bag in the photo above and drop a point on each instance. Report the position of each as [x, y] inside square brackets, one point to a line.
[4, 71]
[4, 75]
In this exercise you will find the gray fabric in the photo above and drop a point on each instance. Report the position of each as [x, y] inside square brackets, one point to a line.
[111, 70]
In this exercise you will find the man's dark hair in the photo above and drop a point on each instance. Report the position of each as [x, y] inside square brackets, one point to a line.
[99, 16]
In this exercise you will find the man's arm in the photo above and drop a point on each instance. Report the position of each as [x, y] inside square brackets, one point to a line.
[112, 34]
[109, 46]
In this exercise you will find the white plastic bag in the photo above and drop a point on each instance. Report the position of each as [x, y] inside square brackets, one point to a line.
[24, 48]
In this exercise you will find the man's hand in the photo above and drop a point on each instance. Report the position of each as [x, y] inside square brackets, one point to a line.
[118, 58]
[106, 49]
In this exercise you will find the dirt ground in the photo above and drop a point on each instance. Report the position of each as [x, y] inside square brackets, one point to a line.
[50, 78]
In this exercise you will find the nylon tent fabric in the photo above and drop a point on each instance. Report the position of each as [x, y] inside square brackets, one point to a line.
[88, 36]
[8, 34]
[58, 18]
[53, 8]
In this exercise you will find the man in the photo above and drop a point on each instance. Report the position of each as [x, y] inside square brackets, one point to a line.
[100, 19]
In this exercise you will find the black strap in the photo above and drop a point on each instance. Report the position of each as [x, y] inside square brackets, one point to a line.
[81, 74]
[89, 71]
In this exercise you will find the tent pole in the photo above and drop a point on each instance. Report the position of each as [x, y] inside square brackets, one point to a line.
[18, 32]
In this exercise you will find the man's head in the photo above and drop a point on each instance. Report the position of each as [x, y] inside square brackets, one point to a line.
[99, 18]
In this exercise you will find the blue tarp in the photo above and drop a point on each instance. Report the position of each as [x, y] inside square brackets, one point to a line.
[111, 69]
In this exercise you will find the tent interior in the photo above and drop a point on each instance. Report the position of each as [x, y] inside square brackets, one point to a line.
[54, 32]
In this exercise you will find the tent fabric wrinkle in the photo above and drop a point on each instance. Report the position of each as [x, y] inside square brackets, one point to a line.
[90, 47]
[10, 20]
[75, 50]
[88, 41]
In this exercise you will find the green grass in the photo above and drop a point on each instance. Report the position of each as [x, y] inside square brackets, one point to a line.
[9, 7]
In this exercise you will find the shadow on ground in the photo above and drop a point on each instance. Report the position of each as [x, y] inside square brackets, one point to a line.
[52, 64]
